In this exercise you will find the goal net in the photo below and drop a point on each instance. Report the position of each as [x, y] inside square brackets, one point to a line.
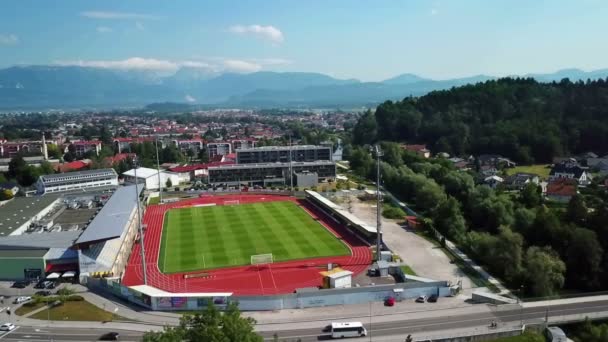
[261, 259]
[232, 202]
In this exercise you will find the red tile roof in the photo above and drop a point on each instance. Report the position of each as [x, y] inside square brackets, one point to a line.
[72, 166]
[119, 157]
[562, 187]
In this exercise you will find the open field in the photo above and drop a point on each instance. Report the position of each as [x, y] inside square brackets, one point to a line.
[542, 170]
[198, 238]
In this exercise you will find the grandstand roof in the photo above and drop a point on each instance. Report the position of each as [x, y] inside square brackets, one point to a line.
[16, 212]
[42, 240]
[281, 148]
[113, 217]
[342, 212]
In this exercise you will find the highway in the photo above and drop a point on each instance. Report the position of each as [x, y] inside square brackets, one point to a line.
[23, 333]
[514, 315]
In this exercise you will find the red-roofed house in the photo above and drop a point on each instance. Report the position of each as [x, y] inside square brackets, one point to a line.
[420, 150]
[118, 158]
[72, 166]
[561, 190]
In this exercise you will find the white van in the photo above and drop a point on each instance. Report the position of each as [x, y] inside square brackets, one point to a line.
[349, 329]
[22, 299]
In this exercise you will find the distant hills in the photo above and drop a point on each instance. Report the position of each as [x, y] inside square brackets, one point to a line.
[64, 87]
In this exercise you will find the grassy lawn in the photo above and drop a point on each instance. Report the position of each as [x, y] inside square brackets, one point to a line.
[539, 169]
[408, 270]
[155, 200]
[27, 308]
[527, 336]
[76, 311]
[200, 238]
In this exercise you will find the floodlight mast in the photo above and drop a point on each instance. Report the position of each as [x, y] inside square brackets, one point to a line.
[141, 232]
[378, 204]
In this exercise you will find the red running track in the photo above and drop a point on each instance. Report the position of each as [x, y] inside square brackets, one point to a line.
[276, 278]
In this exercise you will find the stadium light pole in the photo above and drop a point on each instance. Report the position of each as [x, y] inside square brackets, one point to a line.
[141, 232]
[160, 188]
[378, 202]
[290, 166]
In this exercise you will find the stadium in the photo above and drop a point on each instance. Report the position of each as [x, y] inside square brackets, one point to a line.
[244, 245]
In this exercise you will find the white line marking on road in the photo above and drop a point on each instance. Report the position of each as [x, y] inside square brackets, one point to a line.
[9, 332]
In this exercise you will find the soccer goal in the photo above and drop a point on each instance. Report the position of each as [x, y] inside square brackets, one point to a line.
[232, 202]
[261, 259]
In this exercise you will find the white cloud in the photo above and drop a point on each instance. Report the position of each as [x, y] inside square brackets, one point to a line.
[240, 66]
[8, 39]
[215, 64]
[135, 63]
[118, 15]
[434, 11]
[104, 29]
[269, 32]
[139, 26]
[189, 98]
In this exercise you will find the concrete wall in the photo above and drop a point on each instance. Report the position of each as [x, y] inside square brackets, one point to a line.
[12, 268]
[355, 295]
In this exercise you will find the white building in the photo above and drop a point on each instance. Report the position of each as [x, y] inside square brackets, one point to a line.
[150, 177]
[79, 180]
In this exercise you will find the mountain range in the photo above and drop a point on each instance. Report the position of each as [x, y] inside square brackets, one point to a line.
[65, 87]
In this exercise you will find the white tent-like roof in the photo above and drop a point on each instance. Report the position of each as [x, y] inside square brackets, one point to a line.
[69, 274]
[53, 275]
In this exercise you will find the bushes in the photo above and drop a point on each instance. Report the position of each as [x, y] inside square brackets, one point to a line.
[75, 298]
[391, 212]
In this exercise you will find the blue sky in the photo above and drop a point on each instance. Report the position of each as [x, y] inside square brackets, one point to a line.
[368, 40]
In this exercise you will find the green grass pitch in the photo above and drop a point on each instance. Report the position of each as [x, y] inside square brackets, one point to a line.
[199, 238]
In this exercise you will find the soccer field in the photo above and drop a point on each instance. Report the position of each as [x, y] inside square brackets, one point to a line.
[200, 238]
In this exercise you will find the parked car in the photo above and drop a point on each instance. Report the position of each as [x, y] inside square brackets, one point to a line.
[21, 284]
[390, 301]
[421, 299]
[22, 299]
[39, 285]
[111, 336]
[50, 285]
[7, 327]
[433, 298]
[43, 293]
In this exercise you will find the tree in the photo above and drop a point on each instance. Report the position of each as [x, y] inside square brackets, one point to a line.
[429, 195]
[168, 183]
[16, 165]
[583, 259]
[190, 153]
[448, 219]
[590, 332]
[6, 195]
[531, 195]
[361, 162]
[203, 155]
[577, 210]
[46, 168]
[53, 151]
[365, 130]
[544, 271]
[210, 325]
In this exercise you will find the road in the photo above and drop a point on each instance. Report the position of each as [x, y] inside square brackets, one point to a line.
[505, 317]
[23, 333]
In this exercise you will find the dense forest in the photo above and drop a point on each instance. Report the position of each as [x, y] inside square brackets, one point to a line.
[531, 244]
[517, 118]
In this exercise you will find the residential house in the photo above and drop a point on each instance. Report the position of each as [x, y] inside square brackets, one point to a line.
[519, 180]
[571, 170]
[561, 190]
[420, 150]
[495, 160]
[84, 146]
[598, 164]
[459, 163]
[493, 181]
